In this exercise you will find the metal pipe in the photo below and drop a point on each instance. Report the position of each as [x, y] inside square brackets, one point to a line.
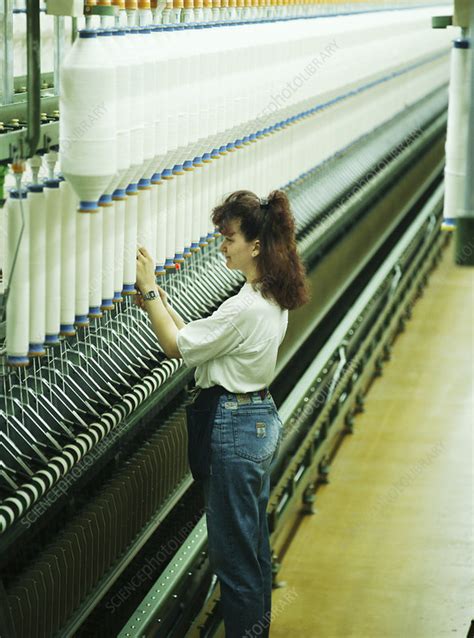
[73, 29]
[58, 51]
[462, 11]
[33, 82]
[6, 48]
[464, 233]
[3, 172]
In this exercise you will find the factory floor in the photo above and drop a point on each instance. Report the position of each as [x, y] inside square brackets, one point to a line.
[389, 552]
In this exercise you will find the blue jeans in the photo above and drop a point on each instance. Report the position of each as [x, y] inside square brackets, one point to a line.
[245, 440]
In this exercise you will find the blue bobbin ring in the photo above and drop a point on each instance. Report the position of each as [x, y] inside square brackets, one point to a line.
[52, 183]
[88, 206]
[461, 43]
[448, 223]
[18, 194]
[18, 361]
[128, 288]
[107, 304]
[94, 311]
[67, 329]
[88, 33]
[36, 348]
[36, 188]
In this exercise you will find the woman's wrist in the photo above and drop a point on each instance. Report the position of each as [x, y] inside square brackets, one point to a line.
[147, 288]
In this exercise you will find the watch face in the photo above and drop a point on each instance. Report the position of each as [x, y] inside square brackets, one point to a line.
[149, 295]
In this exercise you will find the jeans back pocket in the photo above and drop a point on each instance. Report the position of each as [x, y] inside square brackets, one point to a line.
[255, 430]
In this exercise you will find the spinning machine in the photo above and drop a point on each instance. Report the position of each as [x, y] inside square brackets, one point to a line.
[126, 125]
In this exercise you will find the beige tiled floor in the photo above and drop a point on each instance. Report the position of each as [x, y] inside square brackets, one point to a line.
[389, 552]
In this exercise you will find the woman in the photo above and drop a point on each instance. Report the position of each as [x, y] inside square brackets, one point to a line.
[236, 349]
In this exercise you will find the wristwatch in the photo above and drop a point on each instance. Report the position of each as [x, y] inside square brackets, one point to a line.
[148, 296]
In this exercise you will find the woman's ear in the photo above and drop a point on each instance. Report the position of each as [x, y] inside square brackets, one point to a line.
[256, 249]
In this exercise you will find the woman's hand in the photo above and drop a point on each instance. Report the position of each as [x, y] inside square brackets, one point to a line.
[145, 271]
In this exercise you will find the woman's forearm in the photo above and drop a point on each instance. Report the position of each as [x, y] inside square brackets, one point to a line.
[163, 326]
[178, 321]
[165, 322]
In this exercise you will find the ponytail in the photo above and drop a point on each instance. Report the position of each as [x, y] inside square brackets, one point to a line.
[282, 273]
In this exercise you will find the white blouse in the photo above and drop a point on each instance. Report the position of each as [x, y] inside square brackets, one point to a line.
[236, 346]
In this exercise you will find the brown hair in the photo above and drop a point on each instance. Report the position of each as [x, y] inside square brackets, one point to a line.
[281, 274]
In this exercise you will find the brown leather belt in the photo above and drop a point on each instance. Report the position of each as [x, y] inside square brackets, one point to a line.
[248, 395]
[217, 390]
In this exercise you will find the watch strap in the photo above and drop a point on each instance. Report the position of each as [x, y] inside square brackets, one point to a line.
[151, 294]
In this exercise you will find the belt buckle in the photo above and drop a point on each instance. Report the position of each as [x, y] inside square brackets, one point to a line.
[243, 398]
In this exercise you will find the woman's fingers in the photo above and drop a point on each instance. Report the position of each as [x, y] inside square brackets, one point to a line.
[145, 268]
[143, 252]
[144, 258]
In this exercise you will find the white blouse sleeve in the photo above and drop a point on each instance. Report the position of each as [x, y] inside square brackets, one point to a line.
[209, 338]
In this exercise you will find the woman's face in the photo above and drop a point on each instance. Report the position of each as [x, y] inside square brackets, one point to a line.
[239, 254]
